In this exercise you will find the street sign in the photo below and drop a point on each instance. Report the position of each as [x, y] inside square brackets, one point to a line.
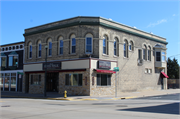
[116, 69]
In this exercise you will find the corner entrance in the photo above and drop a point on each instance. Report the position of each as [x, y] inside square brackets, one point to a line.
[52, 82]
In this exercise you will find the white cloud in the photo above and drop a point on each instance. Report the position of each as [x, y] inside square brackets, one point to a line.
[157, 23]
[174, 15]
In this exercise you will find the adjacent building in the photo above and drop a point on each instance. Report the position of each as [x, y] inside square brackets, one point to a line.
[11, 62]
[82, 53]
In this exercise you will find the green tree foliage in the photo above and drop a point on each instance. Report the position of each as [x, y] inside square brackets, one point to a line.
[172, 68]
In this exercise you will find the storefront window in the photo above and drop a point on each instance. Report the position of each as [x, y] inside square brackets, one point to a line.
[73, 79]
[13, 81]
[103, 80]
[35, 79]
[6, 83]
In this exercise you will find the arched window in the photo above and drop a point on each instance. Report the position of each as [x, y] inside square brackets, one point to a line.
[116, 47]
[145, 53]
[39, 48]
[131, 46]
[149, 53]
[89, 44]
[105, 45]
[49, 47]
[61, 47]
[126, 49]
[73, 43]
[30, 50]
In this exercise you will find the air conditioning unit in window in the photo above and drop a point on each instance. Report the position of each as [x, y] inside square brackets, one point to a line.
[140, 62]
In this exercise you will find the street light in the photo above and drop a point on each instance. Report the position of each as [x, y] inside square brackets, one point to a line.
[46, 47]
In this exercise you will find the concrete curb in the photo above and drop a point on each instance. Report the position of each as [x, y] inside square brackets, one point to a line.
[68, 99]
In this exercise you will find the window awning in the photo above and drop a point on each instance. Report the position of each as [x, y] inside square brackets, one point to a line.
[163, 75]
[105, 71]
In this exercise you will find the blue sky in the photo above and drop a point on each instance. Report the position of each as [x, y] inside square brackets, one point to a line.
[159, 17]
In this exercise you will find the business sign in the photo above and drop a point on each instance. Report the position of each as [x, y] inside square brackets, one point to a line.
[104, 65]
[51, 66]
[116, 69]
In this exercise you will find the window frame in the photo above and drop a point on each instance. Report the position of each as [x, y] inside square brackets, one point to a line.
[39, 50]
[100, 80]
[158, 56]
[125, 48]
[73, 45]
[30, 51]
[163, 55]
[49, 48]
[149, 54]
[5, 61]
[145, 52]
[13, 60]
[115, 47]
[61, 47]
[68, 80]
[39, 79]
[91, 45]
[140, 54]
[105, 48]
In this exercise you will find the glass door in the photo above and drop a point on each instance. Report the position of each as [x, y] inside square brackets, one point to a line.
[6, 81]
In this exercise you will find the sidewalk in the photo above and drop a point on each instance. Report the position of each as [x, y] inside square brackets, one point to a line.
[56, 96]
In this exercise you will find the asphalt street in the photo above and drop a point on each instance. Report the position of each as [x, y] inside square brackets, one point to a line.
[162, 108]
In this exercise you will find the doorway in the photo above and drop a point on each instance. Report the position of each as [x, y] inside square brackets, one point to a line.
[52, 82]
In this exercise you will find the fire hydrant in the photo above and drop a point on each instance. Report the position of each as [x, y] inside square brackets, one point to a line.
[65, 94]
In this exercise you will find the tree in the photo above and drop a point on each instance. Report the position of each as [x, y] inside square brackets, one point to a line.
[172, 68]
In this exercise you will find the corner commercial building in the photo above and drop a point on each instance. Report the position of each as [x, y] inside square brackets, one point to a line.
[82, 53]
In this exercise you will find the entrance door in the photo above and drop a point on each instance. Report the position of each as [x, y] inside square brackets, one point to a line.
[162, 84]
[52, 82]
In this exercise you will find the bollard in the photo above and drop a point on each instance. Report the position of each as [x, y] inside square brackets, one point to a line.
[65, 94]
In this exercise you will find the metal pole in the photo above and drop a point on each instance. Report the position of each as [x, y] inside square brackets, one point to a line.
[45, 74]
[116, 86]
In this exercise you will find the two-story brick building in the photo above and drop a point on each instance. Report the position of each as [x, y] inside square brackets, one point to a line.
[82, 53]
[11, 62]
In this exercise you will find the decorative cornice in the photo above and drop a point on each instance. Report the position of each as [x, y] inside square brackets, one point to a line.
[96, 24]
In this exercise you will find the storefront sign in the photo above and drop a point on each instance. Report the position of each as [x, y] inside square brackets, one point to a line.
[104, 65]
[52, 65]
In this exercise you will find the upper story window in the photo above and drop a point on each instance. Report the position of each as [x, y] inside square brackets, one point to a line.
[73, 43]
[61, 43]
[158, 56]
[39, 48]
[3, 60]
[131, 46]
[30, 50]
[115, 47]
[6, 49]
[145, 52]
[61, 47]
[49, 47]
[105, 45]
[139, 54]
[163, 56]
[13, 60]
[13, 47]
[126, 49]
[9, 48]
[89, 44]
[149, 53]
[2, 49]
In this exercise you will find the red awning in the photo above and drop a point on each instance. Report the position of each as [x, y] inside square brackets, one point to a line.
[163, 75]
[105, 71]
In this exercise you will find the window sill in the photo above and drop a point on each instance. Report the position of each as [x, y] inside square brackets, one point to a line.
[105, 55]
[72, 54]
[126, 58]
[49, 56]
[103, 86]
[115, 56]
